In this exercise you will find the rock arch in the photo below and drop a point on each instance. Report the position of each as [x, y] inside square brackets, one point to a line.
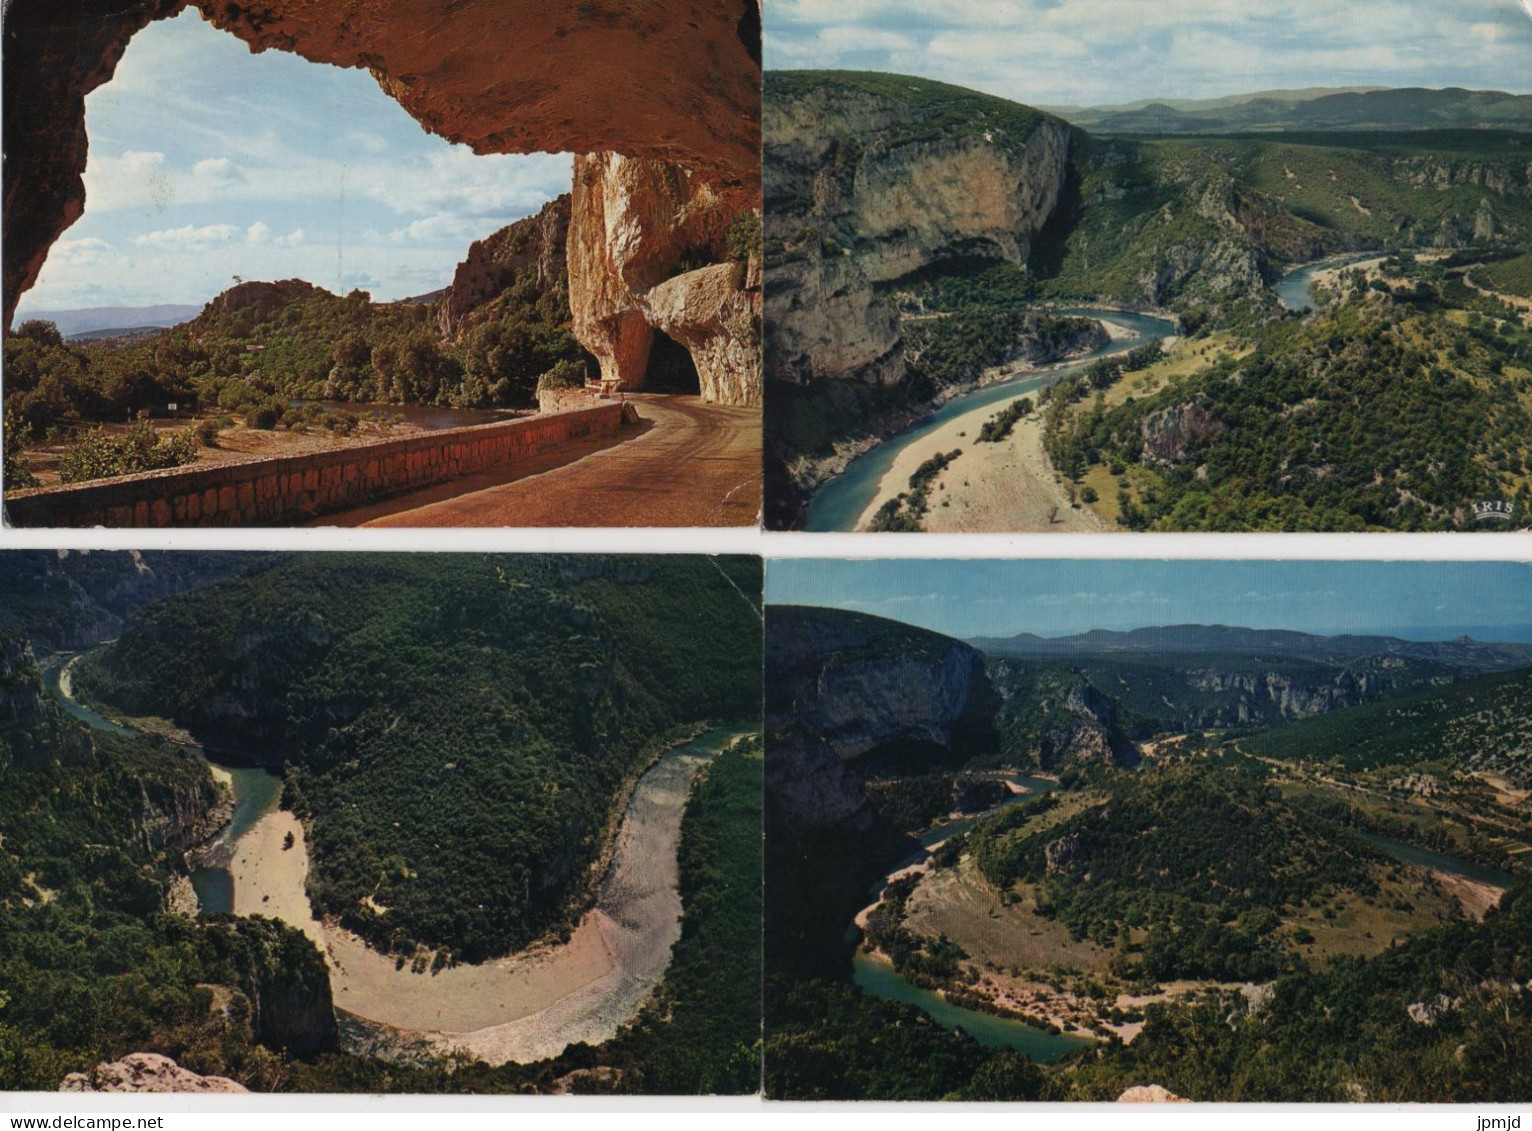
[672, 85]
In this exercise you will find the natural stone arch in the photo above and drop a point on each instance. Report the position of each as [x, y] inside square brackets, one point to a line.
[670, 83]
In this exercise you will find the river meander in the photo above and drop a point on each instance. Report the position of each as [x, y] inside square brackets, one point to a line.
[840, 501]
[523, 1007]
[876, 976]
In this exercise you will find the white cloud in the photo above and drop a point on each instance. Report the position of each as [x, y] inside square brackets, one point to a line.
[217, 171]
[82, 253]
[190, 237]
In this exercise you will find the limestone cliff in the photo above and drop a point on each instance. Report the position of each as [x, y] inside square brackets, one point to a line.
[867, 182]
[649, 251]
[67, 600]
[841, 688]
[654, 79]
[33, 731]
[535, 242]
[146, 1072]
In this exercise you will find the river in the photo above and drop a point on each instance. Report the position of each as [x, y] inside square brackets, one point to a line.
[876, 976]
[428, 418]
[523, 1007]
[840, 501]
[255, 791]
[1295, 290]
[1439, 862]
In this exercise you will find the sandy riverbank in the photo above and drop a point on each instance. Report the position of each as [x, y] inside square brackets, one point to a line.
[527, 1006]
[990, 487]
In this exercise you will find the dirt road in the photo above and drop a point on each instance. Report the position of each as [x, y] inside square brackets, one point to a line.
[686, 464]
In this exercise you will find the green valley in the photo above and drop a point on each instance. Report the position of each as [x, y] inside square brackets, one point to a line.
[1401, 400]
[472, 754]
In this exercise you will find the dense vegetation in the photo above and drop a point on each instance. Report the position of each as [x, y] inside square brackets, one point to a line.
[1202, 859]
[1480, 724]
[416, 699]
[91, 964]
[265, 352]
[937, 111]
[1345, 1032]
[1339, 1034]
[1375, 414]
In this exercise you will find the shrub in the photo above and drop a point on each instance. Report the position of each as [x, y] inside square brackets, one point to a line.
[100, 455]
[744, 236]
[565, 374]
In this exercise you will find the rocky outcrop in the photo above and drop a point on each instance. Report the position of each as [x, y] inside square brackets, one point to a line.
[68, 600]
[287, 982]
[649, 250]
[145, 1072]
[492, 264]
[841, 687]
[863, 190]
[667, 82]
[33, 731]
[1149, 1094]
[1172, 433]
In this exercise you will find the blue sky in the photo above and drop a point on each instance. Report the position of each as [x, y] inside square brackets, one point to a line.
[1102, 52]
[1420, 600]
[207, 162]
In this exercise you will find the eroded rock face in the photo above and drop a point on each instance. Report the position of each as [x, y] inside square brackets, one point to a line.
[1172, 433]
[840, 687]
[648, 250]
[146, 1072]
[670, 82]
[493, 263]
[853, 203]
[1150, 1094]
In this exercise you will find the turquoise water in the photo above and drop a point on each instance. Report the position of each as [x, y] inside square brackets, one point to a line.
[877, 977]
[51, 675]
[1295, 291]
[256, 793]
[1426, 858]
[839, 503]
[880, 979]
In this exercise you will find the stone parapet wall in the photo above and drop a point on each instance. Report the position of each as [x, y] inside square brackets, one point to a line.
[293, 489]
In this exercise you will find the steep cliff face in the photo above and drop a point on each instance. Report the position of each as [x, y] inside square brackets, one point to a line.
[493, 263]
[841, 686]
[1170, 434]
[288, 985]
[648, 251]
[675, 83]
[33, 731]
[66, 600]
[867, 182]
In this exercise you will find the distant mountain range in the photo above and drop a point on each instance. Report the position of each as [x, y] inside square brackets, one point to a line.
[119, 319]
[1464, 653]
[1363, 108]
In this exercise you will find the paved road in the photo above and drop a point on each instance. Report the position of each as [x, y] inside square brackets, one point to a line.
[686, 464]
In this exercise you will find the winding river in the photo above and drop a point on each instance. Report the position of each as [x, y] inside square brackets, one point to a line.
[524, 1007]
[876, 976]
[840, 501]
[1295, 290]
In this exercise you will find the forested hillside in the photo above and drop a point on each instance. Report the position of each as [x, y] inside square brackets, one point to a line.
[416, 699]
[93, 964]
[1480, 724]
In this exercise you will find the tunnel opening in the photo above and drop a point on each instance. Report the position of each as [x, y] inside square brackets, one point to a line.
[671, 368]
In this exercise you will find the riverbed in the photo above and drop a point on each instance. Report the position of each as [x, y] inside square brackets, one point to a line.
[524, 1007]
[842, 503]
